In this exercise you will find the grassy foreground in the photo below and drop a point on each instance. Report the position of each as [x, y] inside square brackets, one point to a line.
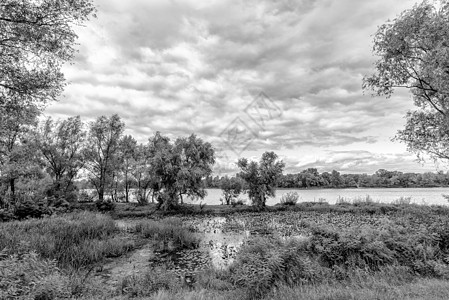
[401, 252]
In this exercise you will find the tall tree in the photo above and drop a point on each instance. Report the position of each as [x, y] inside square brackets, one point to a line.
[128, 150]
[143, 174]
[180, 168]
[261, 177]
[413, 52]
[103, 144]
[62, 145]
[36, 37]
[16, 153]
[196, 161]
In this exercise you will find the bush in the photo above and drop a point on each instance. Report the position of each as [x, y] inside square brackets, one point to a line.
[263, 263]
[237, 202]
[6, 215]
[30, 208]
[105, 205]
[290, 198]
[28, 276]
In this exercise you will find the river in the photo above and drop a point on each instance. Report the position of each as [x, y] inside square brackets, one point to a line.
[386, 195]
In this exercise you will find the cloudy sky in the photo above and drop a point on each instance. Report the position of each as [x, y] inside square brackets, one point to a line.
[247, 76]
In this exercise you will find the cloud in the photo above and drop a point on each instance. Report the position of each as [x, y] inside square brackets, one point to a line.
[194, 66]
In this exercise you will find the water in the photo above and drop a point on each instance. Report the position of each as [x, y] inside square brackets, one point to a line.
[418, 195]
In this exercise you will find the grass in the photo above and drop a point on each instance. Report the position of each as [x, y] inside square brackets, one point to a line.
[167, 231]
[74, 241]
[404, 254]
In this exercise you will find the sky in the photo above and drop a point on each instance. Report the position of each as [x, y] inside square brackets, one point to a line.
[247, 76]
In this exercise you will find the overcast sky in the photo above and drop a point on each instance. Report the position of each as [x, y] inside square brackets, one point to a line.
[247, 76]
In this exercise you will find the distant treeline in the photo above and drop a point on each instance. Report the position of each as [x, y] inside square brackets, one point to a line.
[382, 178]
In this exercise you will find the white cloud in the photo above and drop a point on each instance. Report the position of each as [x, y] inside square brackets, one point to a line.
[193, 66]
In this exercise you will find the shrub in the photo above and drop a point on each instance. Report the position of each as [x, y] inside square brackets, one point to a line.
[105, 205]
[30, 208]
[6, 215]
[84, 196]
[237, 202]
[290, 198]
[28, 276]
[263, 263]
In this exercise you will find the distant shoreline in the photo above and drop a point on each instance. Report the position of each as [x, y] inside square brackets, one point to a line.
[354, 188]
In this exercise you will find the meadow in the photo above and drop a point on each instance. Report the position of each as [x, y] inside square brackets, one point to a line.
[356, 249]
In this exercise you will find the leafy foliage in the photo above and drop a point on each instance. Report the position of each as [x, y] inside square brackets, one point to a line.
[413, 54]
[261, 177]
[179, 168]
[231, 188]
[102, 153]
[61, 144]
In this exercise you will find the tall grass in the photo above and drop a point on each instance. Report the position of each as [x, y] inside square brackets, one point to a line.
[74, 241]
[170, 230]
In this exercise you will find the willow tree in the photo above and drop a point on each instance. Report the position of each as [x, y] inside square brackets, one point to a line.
[413, 53]
[36, 38]
[179, 168]
[61, 144]
[102, 153]
[261, 177]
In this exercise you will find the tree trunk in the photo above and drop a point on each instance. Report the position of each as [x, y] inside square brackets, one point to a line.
[126, 188]
[101, 193]
[12, 186]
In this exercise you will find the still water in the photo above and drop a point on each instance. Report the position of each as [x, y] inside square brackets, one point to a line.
[418, 195]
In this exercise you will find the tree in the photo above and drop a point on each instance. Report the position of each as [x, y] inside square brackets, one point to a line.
[17, 156]
[262, 177]
[231, 188]
[128, 148]
[180, 168]
[197, 158]
[61, 144]
[335, 179]
[144, 175]
[413, 52]
[101, 153]
[36, 37]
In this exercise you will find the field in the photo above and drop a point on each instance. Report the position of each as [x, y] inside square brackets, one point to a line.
[358, 250]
